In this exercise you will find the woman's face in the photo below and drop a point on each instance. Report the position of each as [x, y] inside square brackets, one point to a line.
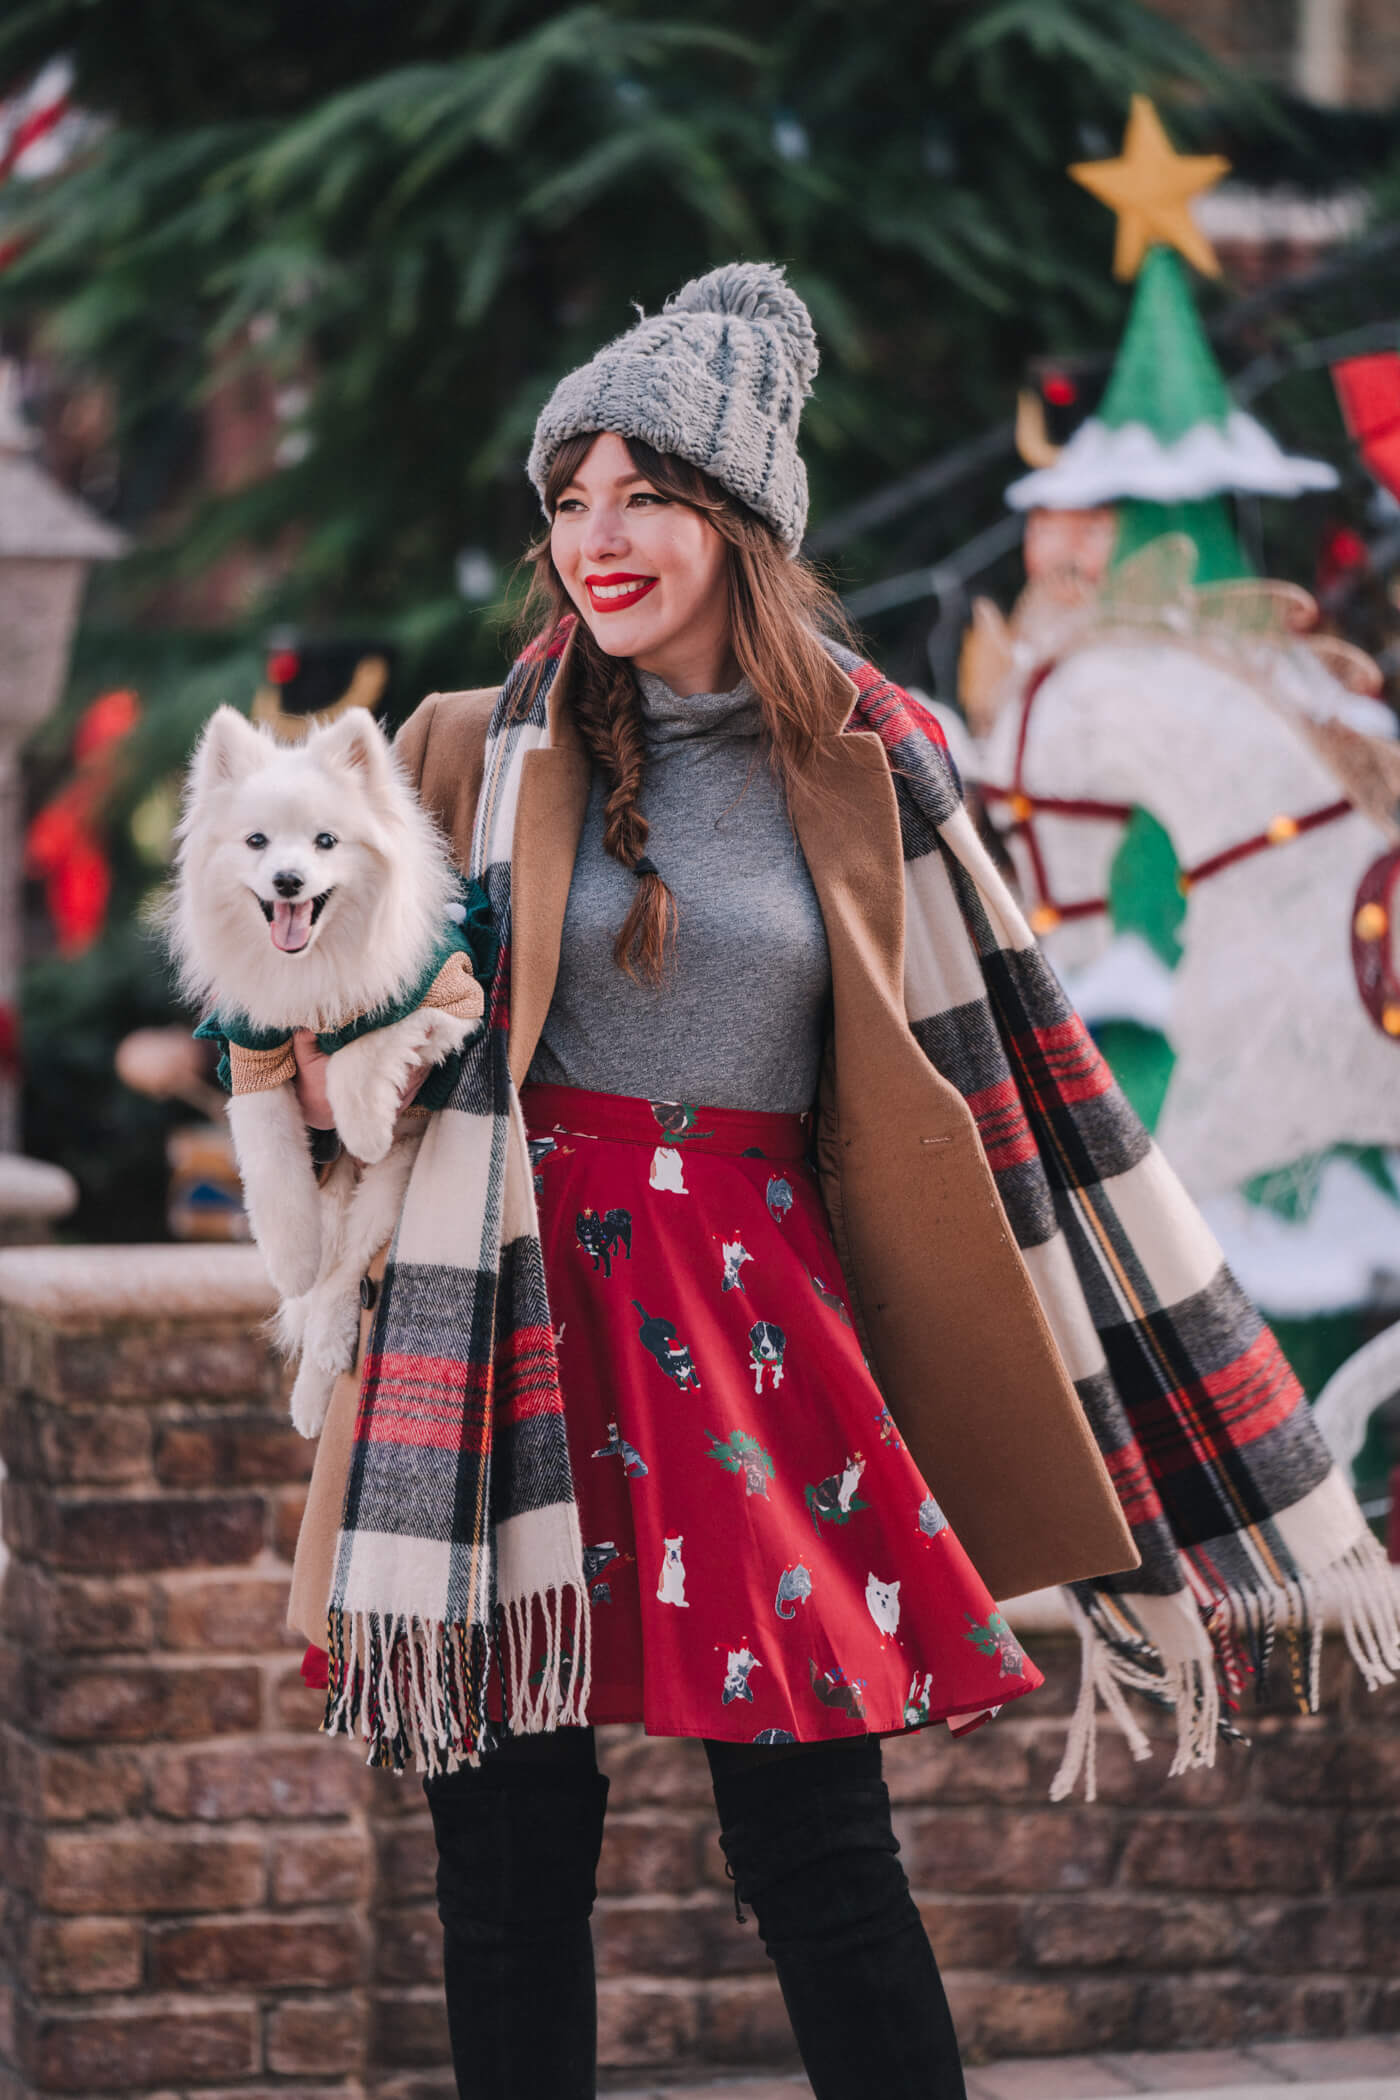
[647, 573]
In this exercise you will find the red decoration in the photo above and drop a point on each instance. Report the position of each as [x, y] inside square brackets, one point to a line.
[29, 127]
[1343, 553]
[1060, 390]
[1373, 948]
[282, 667]
[1368, 389]
[110, 717]
[32, 127]
[64, 846]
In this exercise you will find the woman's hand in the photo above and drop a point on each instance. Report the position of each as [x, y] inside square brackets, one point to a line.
[310, 1082]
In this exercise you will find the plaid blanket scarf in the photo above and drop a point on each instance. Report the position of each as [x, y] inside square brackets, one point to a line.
[459, 1559]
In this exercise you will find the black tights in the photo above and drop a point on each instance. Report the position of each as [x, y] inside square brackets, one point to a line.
[806, 1833]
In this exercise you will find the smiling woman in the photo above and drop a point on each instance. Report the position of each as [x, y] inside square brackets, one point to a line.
[775, 1277]
[645, 567]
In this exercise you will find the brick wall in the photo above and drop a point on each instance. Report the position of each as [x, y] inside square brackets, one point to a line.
[196, 1889]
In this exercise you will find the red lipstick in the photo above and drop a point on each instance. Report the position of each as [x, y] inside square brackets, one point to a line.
[616, 592]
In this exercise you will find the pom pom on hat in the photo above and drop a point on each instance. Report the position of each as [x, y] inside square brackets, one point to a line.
[756, 292]
[718, 378]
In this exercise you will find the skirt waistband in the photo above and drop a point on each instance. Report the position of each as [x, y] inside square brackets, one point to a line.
[634, 1120]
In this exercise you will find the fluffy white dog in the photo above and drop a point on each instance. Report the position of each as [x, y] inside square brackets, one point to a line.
[311, 890]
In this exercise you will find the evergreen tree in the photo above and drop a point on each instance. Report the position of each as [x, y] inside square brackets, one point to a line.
[421, 216]
[425, 215]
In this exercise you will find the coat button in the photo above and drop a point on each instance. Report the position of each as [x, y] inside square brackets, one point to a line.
[369, 1291]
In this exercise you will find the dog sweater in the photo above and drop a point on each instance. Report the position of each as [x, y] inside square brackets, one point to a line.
[740, 1020]
[253, 1059]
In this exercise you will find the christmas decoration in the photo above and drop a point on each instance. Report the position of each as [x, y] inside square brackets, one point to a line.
[1166, 443]
[1200, 792]
[65, 845]
[307, 680]
[1150, 188]
[1368, 390]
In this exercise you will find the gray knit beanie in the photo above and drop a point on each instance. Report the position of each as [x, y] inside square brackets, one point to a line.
[717, 378]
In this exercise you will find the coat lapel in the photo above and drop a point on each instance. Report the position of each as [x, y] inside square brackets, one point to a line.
[549, 817]
[847, 822]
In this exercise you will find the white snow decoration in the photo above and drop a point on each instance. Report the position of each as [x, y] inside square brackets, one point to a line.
[1100, 465]
[1342, 1254]
[1127, 982]
[1238, 211]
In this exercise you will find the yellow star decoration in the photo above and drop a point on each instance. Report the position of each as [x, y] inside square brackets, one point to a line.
[1149, 187]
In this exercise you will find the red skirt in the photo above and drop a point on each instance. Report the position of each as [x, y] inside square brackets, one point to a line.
[765, 1562]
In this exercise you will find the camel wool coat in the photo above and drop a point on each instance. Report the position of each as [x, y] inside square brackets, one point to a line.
[943, 1301]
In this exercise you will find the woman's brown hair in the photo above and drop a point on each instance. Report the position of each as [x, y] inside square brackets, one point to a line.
[778, 609]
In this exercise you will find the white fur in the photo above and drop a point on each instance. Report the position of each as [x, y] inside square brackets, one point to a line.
[388, 883]
[279, 1185]
[365, 1079]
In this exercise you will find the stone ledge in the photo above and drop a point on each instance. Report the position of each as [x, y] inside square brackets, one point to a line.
[1039, 1611]
[82, 1288]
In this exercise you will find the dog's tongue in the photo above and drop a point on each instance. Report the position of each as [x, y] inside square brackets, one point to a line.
[291, 925]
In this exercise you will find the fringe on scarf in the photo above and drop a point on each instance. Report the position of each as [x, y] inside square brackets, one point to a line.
[1187, 1662]
[415, 1690]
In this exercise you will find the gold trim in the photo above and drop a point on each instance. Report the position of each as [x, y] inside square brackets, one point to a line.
[1032, 443]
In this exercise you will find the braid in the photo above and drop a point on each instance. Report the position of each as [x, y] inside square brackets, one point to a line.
[607, 706]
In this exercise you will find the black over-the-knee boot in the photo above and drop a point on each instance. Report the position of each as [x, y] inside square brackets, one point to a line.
[808, 1840]
[518, 1842]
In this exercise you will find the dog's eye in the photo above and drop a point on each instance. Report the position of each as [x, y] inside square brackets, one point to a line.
[325, 840]
[257, 840]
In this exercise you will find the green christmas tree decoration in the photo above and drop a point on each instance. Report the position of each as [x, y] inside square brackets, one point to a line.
[1167, 445]
[1166, 379]
[1165, 374]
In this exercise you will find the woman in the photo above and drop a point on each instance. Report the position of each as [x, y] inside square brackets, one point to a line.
[615, 1451]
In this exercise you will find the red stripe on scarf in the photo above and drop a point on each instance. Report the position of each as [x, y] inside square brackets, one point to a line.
[892, 712]
[527, 1375]
[1132, 1483]
[1073, 1060]
[1002, 1126]
[437, 1402]
[1246, 1400]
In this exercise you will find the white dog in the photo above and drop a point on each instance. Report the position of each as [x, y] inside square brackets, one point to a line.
[312, 891]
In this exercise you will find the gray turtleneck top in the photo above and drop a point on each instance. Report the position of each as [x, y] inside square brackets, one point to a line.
[740, 1020]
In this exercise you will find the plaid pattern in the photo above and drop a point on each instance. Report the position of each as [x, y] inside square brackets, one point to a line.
[460, 1541]
[1245, 1527]
[459, 1555]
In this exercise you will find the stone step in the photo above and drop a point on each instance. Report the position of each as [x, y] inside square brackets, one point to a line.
[1365, 2068]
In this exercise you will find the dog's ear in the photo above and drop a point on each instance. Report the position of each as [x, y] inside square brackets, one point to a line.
[229, 750]
[356, 742]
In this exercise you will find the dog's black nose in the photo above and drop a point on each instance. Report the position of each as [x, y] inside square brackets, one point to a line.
[287, 885]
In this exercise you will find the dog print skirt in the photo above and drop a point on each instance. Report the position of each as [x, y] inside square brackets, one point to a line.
[765, 1562]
